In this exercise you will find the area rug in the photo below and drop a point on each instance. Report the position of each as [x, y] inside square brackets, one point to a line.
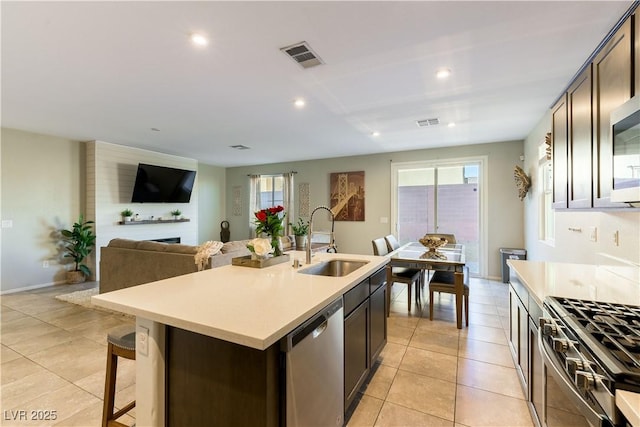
[82, 298]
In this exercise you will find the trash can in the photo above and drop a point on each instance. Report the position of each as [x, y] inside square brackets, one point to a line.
[510, 253]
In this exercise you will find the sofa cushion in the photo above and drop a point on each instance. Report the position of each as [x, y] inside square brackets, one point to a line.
[152, 246]
[182, 249]
[123, 243]
[234, 246]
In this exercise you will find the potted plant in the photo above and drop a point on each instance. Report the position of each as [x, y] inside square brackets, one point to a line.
[176, 213]
[300, 231]
[78, 244]
[126, 215]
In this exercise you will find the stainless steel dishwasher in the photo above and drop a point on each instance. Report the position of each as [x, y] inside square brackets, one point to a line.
[314, 370]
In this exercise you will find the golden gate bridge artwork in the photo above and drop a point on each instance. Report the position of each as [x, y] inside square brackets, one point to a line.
[347, 195]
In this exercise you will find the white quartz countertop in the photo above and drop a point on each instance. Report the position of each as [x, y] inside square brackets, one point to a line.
[616, 282]
[254, 307]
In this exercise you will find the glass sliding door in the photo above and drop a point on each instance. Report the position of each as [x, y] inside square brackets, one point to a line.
[440, 197]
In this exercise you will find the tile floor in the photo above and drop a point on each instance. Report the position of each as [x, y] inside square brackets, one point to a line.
[430, 373]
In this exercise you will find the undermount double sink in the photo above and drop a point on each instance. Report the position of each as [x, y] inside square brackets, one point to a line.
[334, 267]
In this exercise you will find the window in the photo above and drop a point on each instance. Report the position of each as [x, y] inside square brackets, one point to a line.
[271, 191]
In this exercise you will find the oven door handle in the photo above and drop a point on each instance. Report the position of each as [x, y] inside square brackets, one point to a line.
[592, 417]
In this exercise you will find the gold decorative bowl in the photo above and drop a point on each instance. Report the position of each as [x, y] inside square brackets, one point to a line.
[433, 243]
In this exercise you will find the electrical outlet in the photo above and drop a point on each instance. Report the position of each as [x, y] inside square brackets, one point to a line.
[143, 340]
[593, 234]
[45, 264]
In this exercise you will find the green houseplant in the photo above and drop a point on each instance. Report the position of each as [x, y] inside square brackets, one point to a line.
[126, 214]
[176, 213]
[78, 243]
[300, 231]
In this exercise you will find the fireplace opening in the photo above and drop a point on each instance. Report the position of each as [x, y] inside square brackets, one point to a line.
[167, 240]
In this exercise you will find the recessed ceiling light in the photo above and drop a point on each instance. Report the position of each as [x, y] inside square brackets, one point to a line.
[299, 103]
[451, 124]
[443, 73]
[199, 39]
[375, 133]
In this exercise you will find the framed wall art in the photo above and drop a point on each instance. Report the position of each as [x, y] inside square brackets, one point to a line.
[347, 195]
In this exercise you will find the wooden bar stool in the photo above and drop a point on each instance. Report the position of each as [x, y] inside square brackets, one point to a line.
[121, 342]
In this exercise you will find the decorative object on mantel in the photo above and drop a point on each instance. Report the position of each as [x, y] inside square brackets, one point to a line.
[269, 222]
[225, 233]
[153, 221]
[433, 243]
[126, 215]
[523, 182]
[78, 244]
[205, 251]
[547, 141]
[176, 213]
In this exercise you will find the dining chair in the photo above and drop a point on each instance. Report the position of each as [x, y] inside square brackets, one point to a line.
[409, 276]
[392, 242]
[451, 239]
[444, 281]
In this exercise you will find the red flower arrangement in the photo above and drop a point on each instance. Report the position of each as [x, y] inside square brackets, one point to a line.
[269, 221]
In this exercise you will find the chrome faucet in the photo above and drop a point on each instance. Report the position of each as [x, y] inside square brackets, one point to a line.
[332, 242]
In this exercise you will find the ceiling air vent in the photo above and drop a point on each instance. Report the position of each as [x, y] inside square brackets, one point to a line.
[302, 54]
[428, 122]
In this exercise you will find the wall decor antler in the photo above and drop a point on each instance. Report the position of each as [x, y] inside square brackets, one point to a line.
[523, 182]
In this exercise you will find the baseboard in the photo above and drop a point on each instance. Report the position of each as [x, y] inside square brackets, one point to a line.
[32, 287]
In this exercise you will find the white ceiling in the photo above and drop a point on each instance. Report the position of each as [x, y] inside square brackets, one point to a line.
[112, 71]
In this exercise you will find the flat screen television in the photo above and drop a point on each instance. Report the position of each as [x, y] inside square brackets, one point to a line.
[159, 184]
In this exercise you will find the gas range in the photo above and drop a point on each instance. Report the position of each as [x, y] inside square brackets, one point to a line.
[595, 347]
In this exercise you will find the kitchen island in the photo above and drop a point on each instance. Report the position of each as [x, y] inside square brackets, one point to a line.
[226, 324]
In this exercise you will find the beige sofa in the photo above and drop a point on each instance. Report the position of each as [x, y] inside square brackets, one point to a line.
[125, 263]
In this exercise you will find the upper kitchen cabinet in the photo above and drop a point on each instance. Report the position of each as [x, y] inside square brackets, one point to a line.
[612, 86]
[560, 145]
[580, 138]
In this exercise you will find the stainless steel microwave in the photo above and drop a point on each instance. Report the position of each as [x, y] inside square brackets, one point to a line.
[625, 138]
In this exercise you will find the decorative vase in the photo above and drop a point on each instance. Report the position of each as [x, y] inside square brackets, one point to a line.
[301, 242]
[276, 244]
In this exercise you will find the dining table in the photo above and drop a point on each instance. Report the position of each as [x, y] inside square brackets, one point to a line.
[449, 257]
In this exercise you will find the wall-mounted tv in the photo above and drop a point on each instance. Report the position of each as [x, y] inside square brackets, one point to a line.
[159, 184]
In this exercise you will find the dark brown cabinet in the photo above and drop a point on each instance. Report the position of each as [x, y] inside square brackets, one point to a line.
[560, 143]
[356, 354]
[612, 85]
[580, 138]
[365, 331]
[519, 337]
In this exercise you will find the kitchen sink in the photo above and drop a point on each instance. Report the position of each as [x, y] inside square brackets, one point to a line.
[334, 268]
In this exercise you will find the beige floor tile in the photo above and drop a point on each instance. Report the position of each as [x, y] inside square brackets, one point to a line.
[66, 402]
[73, 360]
[66, 310]
[30, 387]
[430, 364]
[364, 411]
[439, 326]
[489, 377]
[7, 354]
[402, 321]
[434, 341]
[24, 329]
[380, 381]
[8, 314]
[399, 334]
[425, 394]
[94, 383]
[55, 337]
[393, 415]
[76, 319]
[391, 354]
[481, 308]
[484, 333]
[485, 352]
[483, 319]
[475, 407]
[17, 369]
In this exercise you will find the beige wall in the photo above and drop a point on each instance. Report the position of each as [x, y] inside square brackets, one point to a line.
[42, 191]
[44, 188]
[575, 246]
[505, 214]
